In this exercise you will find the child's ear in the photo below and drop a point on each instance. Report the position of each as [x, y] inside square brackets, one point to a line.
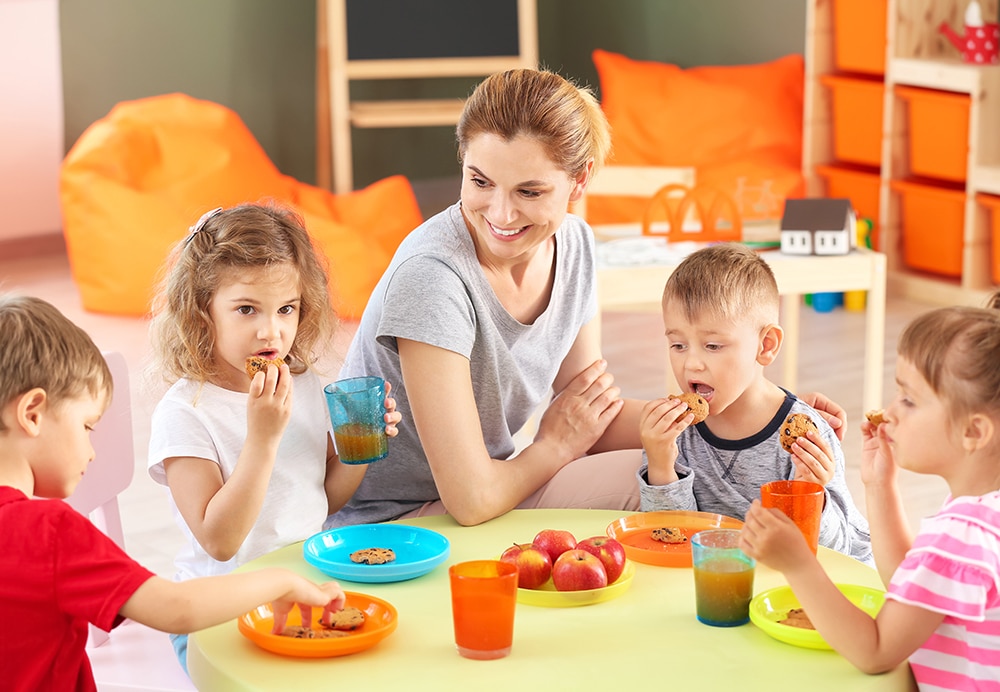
[771, 337]
[978, 432]
[29, 409]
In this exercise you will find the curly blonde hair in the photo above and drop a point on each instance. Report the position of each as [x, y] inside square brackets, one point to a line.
[248, 236]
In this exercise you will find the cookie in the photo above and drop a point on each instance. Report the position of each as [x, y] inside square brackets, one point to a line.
[876, 417]
[373, 556]
[797, 617]
[349, 618]
[669, 534]
[300, 632]
[696, 404]
[257, 364]
[794, 427]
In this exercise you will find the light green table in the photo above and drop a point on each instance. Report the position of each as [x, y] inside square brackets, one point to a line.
[648, 638]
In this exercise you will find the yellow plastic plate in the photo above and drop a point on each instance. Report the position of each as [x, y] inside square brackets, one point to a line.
[772, 605]
[380, 622]
[546, 595]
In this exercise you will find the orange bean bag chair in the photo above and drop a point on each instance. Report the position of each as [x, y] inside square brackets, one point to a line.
[138, 178]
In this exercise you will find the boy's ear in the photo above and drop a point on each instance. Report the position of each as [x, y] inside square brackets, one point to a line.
[771, 337]
[978, 432]
[29, 409]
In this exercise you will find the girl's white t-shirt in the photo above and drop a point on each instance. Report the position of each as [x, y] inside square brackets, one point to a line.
[208, 422]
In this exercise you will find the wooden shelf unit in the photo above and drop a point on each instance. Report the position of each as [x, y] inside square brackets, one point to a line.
[917, 55]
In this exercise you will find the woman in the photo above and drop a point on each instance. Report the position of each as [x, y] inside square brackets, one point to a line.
[486, 310]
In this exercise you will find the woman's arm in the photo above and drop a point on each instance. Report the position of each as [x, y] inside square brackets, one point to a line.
[474, 487]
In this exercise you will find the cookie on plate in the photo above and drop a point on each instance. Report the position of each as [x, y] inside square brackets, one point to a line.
[300, 632]
[794, 427]
[669, 534]
[797, 617]
[349, 618]
[696, 404]
[373, 556]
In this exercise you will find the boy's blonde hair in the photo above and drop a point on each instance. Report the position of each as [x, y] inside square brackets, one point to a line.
[957, 350]
[44, 349]
[248, 236]
[566, 119]
[728, 280]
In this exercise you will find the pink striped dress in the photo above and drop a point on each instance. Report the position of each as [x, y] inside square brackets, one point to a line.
[954, 568]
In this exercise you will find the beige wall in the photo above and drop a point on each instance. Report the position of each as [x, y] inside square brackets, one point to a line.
[257, 57]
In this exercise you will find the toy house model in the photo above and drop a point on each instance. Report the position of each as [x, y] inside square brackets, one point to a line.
[821, 226]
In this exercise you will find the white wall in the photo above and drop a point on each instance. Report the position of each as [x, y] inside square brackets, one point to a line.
[31, 118]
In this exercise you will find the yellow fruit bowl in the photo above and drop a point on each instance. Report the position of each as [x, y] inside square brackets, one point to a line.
[547, 596]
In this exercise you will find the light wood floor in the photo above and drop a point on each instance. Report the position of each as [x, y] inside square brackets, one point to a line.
[831, 362]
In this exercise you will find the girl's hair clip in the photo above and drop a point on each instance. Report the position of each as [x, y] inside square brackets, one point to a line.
[200, 225]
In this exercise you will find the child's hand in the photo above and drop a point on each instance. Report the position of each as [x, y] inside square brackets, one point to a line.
[392, 416]
[813, 459]
[329, 595]
[877, 464]
[773, 539]
[660, 422]
[269, 404]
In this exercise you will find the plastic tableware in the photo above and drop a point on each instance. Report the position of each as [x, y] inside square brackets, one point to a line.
[634, 533]
[772, 605]
[380, 621]
[546, 595]
[483, 603]
[417, 550]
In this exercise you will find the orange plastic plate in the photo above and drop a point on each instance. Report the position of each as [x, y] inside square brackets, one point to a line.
[634, 532]
[380, 622]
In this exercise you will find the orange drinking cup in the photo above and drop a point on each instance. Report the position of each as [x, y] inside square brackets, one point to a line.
[483, 596]
[801, 501]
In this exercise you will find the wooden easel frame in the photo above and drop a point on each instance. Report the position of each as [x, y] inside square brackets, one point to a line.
[337, 114]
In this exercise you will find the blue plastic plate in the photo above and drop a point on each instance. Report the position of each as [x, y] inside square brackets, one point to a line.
[418, 551]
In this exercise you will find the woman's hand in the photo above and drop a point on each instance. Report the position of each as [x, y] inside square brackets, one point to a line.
[392, 417]
[813, 459]
[832, 412]
[660, 422]
[579, 414]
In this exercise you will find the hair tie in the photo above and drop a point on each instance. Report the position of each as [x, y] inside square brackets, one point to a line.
[201, 223]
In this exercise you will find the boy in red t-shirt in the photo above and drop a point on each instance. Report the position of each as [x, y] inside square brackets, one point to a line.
[58, 571]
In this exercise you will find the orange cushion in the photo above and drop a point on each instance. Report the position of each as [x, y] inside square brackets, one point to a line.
[139, 177]
[739, 126]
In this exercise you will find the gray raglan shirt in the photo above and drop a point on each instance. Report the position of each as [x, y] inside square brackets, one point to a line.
[724, 476]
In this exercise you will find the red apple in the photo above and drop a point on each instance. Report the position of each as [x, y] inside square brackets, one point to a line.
[533, 565]
[554, 542]
[578, 570]
[610, 552]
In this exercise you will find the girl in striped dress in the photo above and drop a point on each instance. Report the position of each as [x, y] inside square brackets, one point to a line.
[942, 609]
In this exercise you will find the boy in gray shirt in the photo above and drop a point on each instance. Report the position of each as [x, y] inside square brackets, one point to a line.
[720, 310]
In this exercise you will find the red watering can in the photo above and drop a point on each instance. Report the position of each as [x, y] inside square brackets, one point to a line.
[979, 45]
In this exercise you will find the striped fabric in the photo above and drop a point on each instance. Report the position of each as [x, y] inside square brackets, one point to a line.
[954, 568]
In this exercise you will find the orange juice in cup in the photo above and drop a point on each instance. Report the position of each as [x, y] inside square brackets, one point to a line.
[723, 578]
[483, 596]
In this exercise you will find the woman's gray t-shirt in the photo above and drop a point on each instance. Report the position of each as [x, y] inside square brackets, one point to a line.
[435, 292]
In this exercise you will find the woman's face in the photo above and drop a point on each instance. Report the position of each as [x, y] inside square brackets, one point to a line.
[514, 197]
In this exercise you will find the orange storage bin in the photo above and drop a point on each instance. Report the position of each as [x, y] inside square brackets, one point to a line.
[859, 31]
[857, 118]
[939, 132]
[933, 224]
[861, 187]
[992, 203]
